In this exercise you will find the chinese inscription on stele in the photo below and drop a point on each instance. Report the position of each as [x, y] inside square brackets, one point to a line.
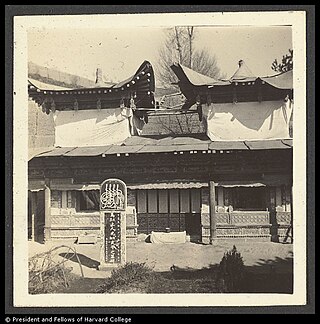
[113, 237]
[112, 208]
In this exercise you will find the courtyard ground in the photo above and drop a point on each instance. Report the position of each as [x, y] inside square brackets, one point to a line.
[191, 260]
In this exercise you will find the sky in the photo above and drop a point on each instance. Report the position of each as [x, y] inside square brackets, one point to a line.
[120, 51]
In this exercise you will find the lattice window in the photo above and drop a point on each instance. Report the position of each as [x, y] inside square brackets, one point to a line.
[288, 198]
[272, 198]
[142, 201]
[169, 201]
[195, 200]
[184, 201]
[174, 201]
[71, 199]
[283, 196]
[177, 209]
[152, 201]
[227, 196]
[163, 201]
[56, 199]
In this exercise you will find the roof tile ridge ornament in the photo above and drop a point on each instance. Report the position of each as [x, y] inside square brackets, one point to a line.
[53, 105]
[199, 108]
[99, 80]
[43, 104]
[99, 104]
[132, 103]
[242, 72]
[122, 105]
[76, 105]
[209, 99]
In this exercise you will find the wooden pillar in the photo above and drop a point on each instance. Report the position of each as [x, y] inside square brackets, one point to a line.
[278, 199]
[47, 214]
[291, 210]
[33, 214]
[212, 204]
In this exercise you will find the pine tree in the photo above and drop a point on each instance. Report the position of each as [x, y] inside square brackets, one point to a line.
[286, 63]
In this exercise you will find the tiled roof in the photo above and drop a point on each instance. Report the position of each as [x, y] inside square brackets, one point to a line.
[242, 87]
[45, 86]
[185, 74]
[243, 74]
[140, 87]
[160, 144]
[280, 81]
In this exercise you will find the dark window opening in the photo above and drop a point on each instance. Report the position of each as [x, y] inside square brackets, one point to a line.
[88, 200]
[242, 198]
[80, 200]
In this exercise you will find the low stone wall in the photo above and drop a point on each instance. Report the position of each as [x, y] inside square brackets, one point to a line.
[66, 226]
[131, 223]
[237, 225]
[258, 232]
[73, 233]
[258, 225]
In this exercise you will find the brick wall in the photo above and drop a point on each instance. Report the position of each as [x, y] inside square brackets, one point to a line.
[40, 129]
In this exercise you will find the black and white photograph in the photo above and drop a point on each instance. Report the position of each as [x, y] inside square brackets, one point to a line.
[160, 159]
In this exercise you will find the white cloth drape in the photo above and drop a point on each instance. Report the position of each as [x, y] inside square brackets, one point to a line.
[92, 127]
[248, 120]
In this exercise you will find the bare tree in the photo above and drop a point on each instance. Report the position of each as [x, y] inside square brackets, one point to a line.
[190, 39]
[170, 51]
[178, 47]
[205, 63]
[179, 124]
[178, 35]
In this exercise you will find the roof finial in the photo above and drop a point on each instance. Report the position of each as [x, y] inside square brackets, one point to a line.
[243, 72]
[99, 76]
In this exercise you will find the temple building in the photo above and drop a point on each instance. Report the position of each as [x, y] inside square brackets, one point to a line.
[217, 166]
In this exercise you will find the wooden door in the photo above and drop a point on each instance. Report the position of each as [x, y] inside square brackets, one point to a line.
[174, 209]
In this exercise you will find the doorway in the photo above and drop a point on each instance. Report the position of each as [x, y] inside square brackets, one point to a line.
[36, 218]
[175, 210]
